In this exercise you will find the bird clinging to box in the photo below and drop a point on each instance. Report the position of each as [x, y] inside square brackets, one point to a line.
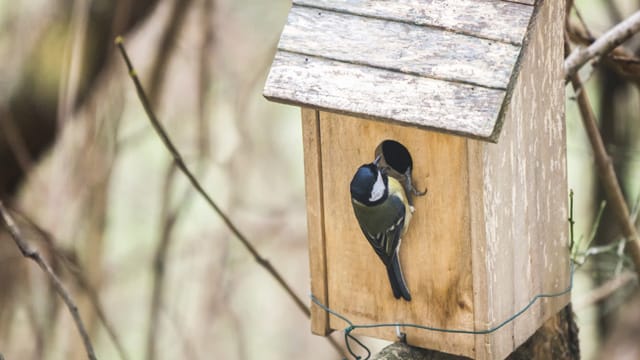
[383, 213]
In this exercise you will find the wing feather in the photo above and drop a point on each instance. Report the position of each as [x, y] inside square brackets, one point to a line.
[386, 241]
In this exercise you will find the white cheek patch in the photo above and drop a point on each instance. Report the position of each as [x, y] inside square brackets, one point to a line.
[378, 189]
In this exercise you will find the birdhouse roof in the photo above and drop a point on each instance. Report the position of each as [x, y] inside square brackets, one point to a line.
[446, 65]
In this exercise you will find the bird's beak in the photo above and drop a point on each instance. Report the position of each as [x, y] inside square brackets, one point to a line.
[377, 160]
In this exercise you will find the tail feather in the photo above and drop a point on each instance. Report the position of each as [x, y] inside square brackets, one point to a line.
[398, 284]
[392, 280]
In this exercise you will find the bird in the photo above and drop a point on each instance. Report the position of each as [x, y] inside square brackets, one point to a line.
[383, 213]
[396, 160]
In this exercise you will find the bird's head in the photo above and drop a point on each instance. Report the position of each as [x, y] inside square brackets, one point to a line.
[369, 185]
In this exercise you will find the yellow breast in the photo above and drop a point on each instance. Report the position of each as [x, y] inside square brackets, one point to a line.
[395, 188]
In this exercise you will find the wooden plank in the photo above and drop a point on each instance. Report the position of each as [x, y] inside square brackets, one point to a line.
[383, 94]
[483, 288]
[525, 193]
[538, 95]
[315, 219]
[435, 253]
[402, 47]
[491, 19]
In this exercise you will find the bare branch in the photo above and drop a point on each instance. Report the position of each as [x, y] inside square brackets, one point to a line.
[158, 73]
[603, 45]
[204, 77]
[169, 219]
[59, 287]
[188, 348]
[15, 141]
[196, 184]
[606, 172]
[171, 32]
[605, 290]
[177, 158]
[70, 260]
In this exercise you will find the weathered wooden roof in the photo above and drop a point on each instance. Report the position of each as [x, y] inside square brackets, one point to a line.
[440, 64]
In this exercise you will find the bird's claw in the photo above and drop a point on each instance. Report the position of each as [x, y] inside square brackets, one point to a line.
[417, 192]
[402, 337]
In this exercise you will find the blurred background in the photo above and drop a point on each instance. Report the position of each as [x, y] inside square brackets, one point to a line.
[96, 192]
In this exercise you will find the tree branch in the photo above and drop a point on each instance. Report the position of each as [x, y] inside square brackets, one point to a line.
[605, 290]
[168, 218]
[603, 45]
[171, 32]
[606, 172]
[177, 158]
[59, 287]
[70, 261]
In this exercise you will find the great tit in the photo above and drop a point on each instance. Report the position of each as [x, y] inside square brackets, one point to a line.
[396, 160]
[383, 212]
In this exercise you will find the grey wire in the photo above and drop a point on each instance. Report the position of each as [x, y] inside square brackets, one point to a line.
[352, 326]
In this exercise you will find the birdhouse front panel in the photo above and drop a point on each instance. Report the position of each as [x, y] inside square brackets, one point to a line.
[435, 253]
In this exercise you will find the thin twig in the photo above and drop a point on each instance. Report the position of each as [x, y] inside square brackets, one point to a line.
[169, 36]
[15, 141]
[70, 260]
[204, 76]
[168, 219]
[583, 23]
[606, 172]
[603, 45]
[73, 57]
[264, 263]
[621, 245]
[583, 251]
[572, 246]
[184, 338]
[196, 184]
[60, 289]
[605, 290]
[94, 299]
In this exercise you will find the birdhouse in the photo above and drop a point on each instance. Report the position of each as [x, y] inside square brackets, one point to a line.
[474, 91]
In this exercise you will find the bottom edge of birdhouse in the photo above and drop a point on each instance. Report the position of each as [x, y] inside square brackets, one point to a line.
[475, 344]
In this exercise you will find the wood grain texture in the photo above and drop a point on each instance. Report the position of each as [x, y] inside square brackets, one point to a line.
[491, 19]
[442, 65]
[525, 195]
[482, 288]
[435, 253]
[382, 94]
[315, 219]
[402, 47]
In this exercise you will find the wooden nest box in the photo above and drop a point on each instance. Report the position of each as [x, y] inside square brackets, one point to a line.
[474, 90]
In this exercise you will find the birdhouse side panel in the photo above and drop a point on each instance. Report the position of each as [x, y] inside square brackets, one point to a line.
[315, 219]
[435, 253]
[526, 195]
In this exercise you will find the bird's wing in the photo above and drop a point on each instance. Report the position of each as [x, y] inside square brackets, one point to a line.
[387, 239]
